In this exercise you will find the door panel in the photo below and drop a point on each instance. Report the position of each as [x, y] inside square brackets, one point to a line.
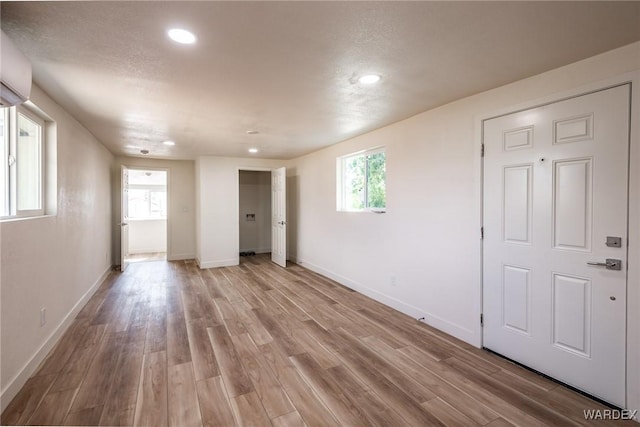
[517, 204]
[572, 196]
[279, 216]
[572, 314]
[516, 299]
[124, 218]
[555, 186]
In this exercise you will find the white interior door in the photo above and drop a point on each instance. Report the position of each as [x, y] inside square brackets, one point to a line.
[124, 218]
[555, 201]
[279, 216]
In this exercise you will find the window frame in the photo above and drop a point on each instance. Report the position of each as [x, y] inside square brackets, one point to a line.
[10, 142]
[342, 180]
[150, 188]
[5, 192]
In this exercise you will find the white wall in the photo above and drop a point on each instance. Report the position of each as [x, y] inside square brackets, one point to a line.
[57, 261]
[217, 214]
[429, 237]
[255, 198]
[147, 236]
[181, 239]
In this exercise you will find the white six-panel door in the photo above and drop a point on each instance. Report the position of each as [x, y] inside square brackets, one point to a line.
[124, 218]
[555, 188]
[279, 216]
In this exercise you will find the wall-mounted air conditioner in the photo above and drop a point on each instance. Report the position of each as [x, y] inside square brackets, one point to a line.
[15, 73]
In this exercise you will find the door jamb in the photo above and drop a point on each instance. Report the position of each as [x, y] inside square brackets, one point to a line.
[169, 216]
[248, 169]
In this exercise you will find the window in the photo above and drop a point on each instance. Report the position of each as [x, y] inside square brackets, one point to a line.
[147, 203]
[361, 181]
[147, 194]
[22, 163]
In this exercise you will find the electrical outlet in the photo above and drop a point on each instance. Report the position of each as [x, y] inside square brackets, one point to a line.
[43, 316]
[393, 280]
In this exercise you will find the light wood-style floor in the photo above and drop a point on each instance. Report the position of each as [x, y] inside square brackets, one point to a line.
[168, 344]
[152, 256]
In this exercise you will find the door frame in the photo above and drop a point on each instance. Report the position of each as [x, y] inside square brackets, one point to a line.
[247, 169]
[632, 353]
[169, 216]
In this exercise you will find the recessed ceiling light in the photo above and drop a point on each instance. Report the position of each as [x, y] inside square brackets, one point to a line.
[181, 36]
[369, 79]
[253, 150]
[169, 143]
[252, 132]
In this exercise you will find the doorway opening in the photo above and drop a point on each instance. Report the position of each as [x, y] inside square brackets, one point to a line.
[255, 212]
[146, 195]
[262, 213]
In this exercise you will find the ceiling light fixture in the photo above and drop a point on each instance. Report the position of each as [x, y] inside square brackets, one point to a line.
[369, 79]
[144, 151]
[181, 36]
[252, 132]
[253, 150]
[169, 143]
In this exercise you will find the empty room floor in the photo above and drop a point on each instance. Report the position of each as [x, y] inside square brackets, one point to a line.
[151, 256]
[165, 343]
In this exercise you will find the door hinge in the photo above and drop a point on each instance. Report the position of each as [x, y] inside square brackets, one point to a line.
[481, 233]
[482, 150]
[481, 319]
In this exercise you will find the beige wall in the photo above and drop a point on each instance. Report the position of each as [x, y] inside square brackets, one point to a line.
[218, 210]
[147, 236]
[181, 236]
[54, 262]
[429, 237]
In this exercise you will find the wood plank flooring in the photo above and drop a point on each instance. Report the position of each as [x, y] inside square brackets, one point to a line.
[167, 344]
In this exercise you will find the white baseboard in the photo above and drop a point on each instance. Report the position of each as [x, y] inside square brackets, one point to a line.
[437, 322]
[180, 257]
[17, 382]
[219, 263]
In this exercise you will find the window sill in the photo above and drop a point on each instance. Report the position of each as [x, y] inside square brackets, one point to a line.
[375, 211]
[25, 218]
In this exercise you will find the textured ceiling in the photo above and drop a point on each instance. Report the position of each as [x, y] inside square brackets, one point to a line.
[287, 69]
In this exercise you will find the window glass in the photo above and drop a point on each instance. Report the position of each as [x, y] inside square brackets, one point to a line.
[354, 181]
[158, 204]
[146, 203]
[376, 181]
[361, 183]
[29, 164]
[22, 162]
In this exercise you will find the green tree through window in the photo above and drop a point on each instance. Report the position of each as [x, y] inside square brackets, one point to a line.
[363, 181]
